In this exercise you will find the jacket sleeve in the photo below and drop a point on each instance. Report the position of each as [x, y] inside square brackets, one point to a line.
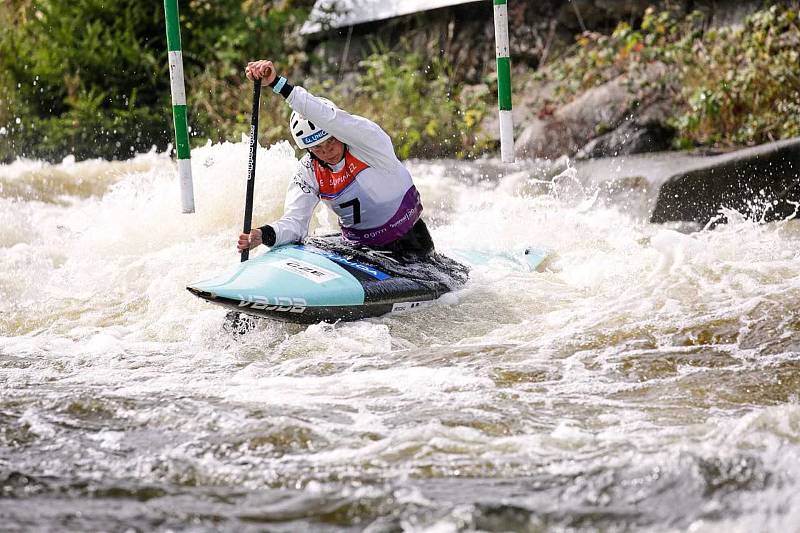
[301, 199]
[352, 130]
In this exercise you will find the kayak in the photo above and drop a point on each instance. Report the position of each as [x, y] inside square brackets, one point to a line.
[327, 280]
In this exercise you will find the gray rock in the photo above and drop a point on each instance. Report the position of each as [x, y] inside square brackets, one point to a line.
[622, 116]
[602, 107]
[759, 182]
[572, 125]
[690, 189]
[632, 137]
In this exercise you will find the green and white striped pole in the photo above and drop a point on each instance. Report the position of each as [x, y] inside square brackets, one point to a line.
[504, 80]
[179, 105]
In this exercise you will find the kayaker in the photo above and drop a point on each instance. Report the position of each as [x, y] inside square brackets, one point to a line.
[350, 165]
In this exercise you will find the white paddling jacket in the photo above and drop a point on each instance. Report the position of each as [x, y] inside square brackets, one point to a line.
[370, 190]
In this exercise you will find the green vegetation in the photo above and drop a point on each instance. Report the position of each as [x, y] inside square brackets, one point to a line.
[735, 85]
[418, 102]
[742, 85]
[66, 65]
[90, 77]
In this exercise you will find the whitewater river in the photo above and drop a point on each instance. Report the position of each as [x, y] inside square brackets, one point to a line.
[645, 379]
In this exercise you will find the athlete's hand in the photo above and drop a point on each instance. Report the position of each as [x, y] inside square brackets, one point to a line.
[248, 241]
[263, 70]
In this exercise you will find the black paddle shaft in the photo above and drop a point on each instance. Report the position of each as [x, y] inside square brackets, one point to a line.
[251, 165]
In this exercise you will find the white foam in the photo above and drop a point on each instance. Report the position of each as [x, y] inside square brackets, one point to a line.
[92, 289]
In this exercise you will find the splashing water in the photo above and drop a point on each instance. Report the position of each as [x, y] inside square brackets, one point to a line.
[646, 379]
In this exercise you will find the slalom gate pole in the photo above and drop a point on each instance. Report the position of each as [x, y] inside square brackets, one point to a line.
[504, 80]
[179, 105]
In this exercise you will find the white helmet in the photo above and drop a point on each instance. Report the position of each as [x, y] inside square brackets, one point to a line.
[307, 134]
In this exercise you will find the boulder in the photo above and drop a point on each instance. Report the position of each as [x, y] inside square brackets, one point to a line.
[572, 125]
[621, 116]
[646, 132]
[690, 189]
[759, 182]
[632, 137]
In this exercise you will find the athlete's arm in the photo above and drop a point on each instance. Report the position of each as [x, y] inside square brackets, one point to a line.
[352, 130]
[301, 199]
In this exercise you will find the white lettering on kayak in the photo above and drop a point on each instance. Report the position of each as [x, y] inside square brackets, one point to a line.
[306, 270]
[282, 304]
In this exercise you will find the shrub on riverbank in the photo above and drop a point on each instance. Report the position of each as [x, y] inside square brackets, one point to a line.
[729, 86]
[95, 90]
[418, 101]
[90, 78]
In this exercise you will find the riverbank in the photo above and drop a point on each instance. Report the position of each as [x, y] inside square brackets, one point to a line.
[671, 82]
[591, 79]
[659, 80]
